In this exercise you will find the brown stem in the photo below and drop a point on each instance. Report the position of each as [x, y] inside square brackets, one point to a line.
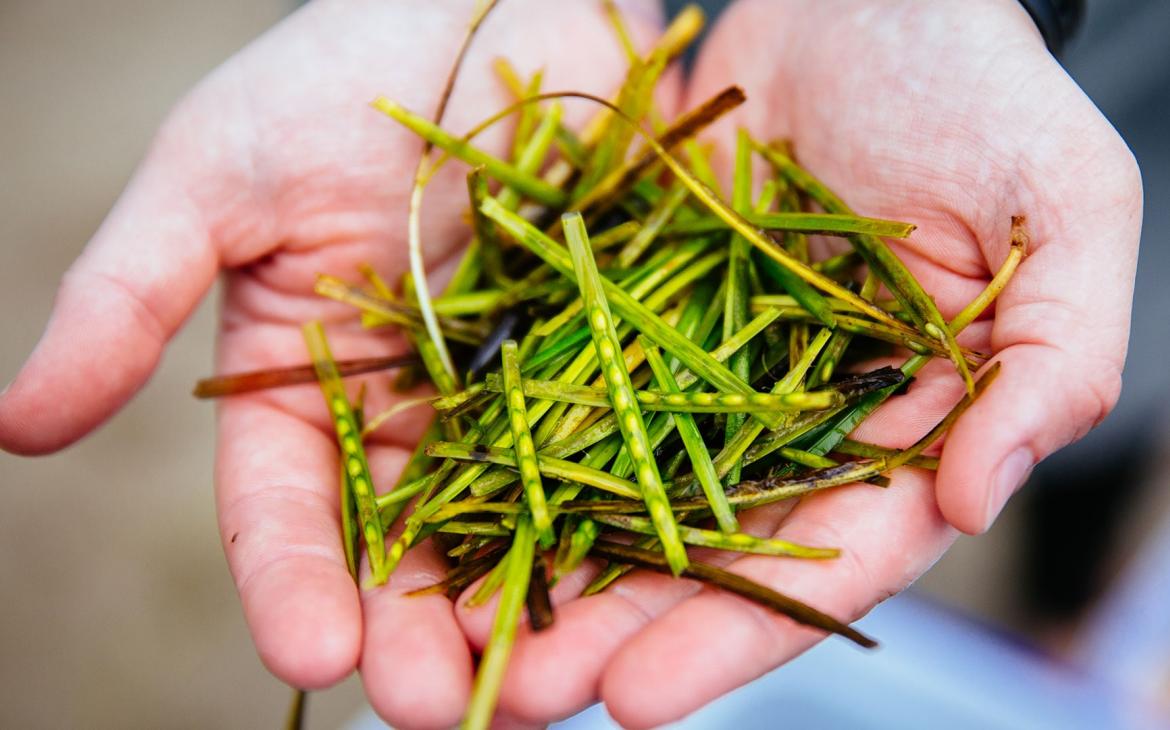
[237, 383]
[540, 610]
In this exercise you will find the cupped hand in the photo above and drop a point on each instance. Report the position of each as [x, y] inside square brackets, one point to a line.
[272, 170]
[951, 115]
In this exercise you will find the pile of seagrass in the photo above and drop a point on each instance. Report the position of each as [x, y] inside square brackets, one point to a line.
[638, 359]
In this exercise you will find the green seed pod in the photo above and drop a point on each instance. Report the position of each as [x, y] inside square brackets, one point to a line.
[689, 402]
[353, 455]
[523, 446]
[621, 391]
[737, 542]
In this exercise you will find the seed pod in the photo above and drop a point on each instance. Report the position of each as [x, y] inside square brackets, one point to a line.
[679, 402]
[617, 379]
[352, 453]
[737, 542]
[525, 450]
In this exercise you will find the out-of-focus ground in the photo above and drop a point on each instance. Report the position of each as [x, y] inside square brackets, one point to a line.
[117, 610]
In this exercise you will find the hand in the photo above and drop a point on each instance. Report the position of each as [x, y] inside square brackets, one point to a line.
[272, 170]
[951, 115]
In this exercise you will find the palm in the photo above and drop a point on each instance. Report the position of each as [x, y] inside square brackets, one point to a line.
[952, 117]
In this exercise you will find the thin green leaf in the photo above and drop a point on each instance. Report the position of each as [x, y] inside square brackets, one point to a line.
[658, 218]
[692, 440]
[529, 185]
[816, 223]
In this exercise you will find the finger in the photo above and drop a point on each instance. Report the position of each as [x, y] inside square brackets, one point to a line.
[416, 665]
[276, 494]
[714, 642]
[1045, 399]
[477, 620]
[282, 521]
[504, 721]
[555, 673]
[131, 289]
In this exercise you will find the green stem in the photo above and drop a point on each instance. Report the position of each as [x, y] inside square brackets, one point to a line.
[490, 677]
[701, 462]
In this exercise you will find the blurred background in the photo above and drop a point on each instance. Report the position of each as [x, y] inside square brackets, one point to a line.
[117, 609]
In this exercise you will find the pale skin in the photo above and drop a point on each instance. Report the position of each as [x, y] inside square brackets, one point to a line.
[948, 114]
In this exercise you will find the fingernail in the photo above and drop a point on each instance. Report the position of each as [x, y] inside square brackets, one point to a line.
[1008, 479]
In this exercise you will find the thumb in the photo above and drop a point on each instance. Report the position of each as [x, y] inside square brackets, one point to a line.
[131, 289]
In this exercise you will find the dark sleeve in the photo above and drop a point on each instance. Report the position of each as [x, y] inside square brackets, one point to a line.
[1057, 20]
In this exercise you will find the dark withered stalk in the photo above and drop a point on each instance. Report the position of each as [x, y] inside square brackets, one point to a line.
[734, 583]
